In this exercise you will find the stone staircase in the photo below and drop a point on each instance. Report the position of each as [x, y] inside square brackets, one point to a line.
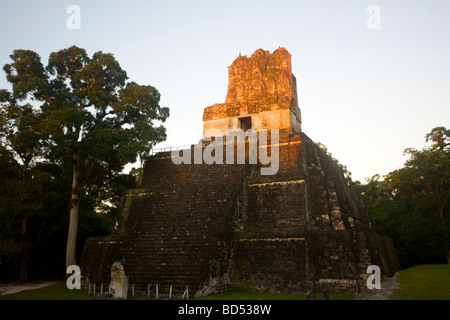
[175, 230]
[212, 227]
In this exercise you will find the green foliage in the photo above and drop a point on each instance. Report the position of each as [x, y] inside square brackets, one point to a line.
[347, 174]
[67, 130]
[86, 112]
[411, 204]
[138, 174]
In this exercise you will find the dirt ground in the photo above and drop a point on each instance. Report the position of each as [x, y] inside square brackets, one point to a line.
[17, 287]
[388, 285]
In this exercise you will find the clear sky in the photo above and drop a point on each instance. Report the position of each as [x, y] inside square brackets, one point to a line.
[365, 92]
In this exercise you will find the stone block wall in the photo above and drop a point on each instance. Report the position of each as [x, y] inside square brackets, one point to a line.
[262, 87]
[175, 230]
[303, 229]
[220, 226]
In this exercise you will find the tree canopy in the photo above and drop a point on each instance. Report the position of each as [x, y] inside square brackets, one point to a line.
[80, 114]
[412, 204]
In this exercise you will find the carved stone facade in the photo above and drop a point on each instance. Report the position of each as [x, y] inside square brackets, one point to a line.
[262, 94]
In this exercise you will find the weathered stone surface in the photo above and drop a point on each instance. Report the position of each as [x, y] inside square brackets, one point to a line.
[263, 76]
[310, 295]
[261, 87]
[220, 226]
[119, 280]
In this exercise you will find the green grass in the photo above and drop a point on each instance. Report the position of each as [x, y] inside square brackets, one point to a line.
[421, 282]
[56, 291]
[59, 291]
[424, 282]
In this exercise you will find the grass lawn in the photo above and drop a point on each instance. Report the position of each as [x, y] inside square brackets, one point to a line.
[421, 282]
[59, 291]
[424, 282]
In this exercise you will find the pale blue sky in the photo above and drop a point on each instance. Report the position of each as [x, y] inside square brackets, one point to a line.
[366, 94]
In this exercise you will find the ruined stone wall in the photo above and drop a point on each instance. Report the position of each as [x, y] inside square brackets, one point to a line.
[174, 230]
[261, 86]
[342, 231]
[262, 76]
[280, 119]
[270, 247]
[303, 228]
[220, 226]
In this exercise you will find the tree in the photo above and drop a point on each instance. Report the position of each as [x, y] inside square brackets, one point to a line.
[425, 180]
[20, 147]
[347, 174]
[411, 204]
[90, 119]
[438, 137]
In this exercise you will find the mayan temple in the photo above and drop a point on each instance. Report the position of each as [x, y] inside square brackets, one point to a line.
[218, 226]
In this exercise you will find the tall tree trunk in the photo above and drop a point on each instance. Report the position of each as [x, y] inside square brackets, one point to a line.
[24, 253]
[444, 231]
[73, 222]
[447, 254]
[24, 241]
